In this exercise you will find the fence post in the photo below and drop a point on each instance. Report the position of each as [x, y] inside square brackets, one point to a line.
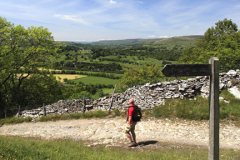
[6, 106]
[5, 112]
[18, 110]
[214, 110]
[112, 98]
[44, 110]
[84, 105]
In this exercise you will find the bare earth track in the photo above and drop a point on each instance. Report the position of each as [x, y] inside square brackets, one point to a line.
[153, 133]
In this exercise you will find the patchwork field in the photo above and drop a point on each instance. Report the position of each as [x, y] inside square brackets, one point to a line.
[68, 76]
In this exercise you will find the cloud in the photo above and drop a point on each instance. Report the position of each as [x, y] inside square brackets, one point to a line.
[113, 2]
[151, 36]
[164, 36]
[144, 25]
[72, 18]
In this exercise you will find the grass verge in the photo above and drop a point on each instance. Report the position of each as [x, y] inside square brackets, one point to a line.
[32, 148]
[15, 120]
[55, 117]
[197, 108]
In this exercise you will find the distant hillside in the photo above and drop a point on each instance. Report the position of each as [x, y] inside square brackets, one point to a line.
[125, 42]
[183, 40]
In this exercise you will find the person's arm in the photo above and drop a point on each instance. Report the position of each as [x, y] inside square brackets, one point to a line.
[129, 121]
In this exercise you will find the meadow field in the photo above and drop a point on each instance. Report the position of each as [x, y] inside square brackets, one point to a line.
[96, 80]
[68, 76]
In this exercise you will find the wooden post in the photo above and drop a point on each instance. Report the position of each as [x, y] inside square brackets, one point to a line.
[112, 98]
[18, 110]
[5, 111]
[44, 110]
[6, 106]
[214, 110]
[212, 70]
[84, 105]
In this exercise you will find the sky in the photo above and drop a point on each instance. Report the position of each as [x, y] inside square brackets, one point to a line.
[94, 20]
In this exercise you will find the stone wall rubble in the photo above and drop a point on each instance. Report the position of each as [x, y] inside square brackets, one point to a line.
[146, 96]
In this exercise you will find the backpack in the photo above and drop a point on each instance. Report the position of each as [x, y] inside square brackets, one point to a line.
[137, 114]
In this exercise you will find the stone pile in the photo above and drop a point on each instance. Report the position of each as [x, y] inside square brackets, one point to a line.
[146, 96]
[61, 107]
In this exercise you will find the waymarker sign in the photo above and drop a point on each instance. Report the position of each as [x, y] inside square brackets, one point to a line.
[212, 70]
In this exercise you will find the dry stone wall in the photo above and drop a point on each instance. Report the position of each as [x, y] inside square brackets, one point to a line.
[146, 96]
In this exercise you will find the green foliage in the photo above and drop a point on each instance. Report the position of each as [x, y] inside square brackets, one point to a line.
[139, 75]
[22, 53]
[221, 41]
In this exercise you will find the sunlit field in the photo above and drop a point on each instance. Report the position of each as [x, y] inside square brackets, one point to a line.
[68, 76]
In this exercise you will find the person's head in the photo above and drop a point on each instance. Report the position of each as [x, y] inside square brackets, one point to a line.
[131, 101]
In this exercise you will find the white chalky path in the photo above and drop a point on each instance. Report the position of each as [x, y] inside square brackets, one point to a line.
[111, 131]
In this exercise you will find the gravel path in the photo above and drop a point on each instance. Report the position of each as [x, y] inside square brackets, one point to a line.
[111, 131]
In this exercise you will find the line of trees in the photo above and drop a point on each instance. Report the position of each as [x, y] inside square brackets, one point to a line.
[85, 66]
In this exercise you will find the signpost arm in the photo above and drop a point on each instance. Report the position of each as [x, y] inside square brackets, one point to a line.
[214, 110]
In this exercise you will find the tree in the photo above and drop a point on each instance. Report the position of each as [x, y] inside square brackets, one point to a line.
[22, 53]
[135, 76]
[221, 41]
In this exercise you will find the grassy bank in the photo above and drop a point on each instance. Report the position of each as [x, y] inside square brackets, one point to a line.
[32, 148]
[90, 114]
[198, 109]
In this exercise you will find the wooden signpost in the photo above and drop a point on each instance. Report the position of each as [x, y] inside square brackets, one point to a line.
[212, 70]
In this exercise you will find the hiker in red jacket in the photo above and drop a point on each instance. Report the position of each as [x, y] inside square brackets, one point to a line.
[130, 125]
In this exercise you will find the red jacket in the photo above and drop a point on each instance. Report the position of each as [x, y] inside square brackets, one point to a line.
[131, 111]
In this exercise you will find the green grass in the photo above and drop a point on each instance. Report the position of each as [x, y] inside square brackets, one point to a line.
[97, 80]
[150, 61]
[15, 120]
[55, 117]
[90, 114]
[37, 149]
[198, 109]
[107, 90]
[115, 74]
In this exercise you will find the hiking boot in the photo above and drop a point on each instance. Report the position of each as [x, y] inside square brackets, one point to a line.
[132, 144]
